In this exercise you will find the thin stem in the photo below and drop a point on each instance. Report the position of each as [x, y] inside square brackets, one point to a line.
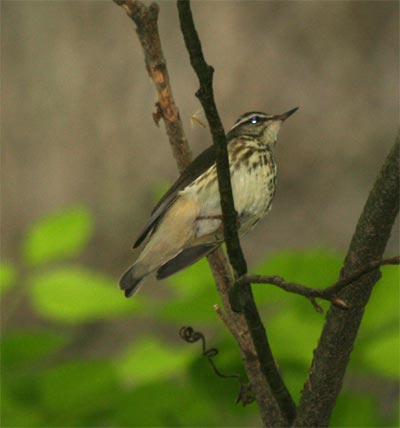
[330, 293]
[146, 20]
[146, 23]
[247, 304]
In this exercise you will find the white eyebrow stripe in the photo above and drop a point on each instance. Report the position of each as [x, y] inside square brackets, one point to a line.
[247, 116]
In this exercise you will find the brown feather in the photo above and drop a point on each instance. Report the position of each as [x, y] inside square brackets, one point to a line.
[199, 165]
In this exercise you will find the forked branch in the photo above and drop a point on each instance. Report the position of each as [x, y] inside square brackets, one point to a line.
[246, 301]
[145, 19]
[358, 276]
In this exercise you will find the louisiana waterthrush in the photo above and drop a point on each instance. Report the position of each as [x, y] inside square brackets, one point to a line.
[186, 224]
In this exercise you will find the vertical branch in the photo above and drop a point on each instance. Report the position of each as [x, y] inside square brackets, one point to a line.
[368, 243]
[206, 96]
[145, 19]
[268, 368]
[268, 406]
[340, 330]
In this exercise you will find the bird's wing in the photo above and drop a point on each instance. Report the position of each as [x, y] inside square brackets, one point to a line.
[185, 259]
[199, 165]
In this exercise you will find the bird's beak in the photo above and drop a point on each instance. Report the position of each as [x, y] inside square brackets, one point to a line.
[284, 116]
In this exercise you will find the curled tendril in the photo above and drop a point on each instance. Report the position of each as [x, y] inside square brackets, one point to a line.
[245, 395]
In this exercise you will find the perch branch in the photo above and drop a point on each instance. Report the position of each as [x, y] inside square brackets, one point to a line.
[145, 18]
[330, 293]
[374, 226]
[205, 94]
[340, 330]
[247, 304]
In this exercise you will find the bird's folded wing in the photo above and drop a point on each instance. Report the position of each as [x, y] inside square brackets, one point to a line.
[185, 258]
[199, 165]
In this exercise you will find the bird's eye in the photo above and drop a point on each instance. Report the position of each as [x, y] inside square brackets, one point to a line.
[254, 120]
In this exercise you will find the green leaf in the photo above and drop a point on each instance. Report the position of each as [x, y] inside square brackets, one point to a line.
[379, 357]
[75, 295]
[24, 354]
[293, 325]
[79, 392]
[22, 348]
[355, 410]
[182, 403]
[194, 296]
[17, 414]
[295, 336]
[203, 396]
[316, 268]
[383, 307]
[172, 404]
[149, 360]
[377, 349]
[8, 275]
[58, 236]
[184, 310]
[192, 281]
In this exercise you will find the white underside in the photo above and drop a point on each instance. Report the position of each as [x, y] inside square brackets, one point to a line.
[245, 198]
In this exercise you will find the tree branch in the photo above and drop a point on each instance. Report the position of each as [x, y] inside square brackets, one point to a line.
[145, 19]
[330, 293]
[247, 304]
[340, 330]
[369, 240]
[206, 96]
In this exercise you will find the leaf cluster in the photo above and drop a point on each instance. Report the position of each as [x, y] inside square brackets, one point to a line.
[154, 381]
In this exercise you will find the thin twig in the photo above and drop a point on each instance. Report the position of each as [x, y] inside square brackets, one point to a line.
[329, 293]
[247, 304]
[189, 335]
[374, 225]
[341, 283]
[205, 94]
[219, 264]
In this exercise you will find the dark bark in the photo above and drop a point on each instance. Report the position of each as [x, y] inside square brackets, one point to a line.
[372, 232]
[206, 96]
[245, 296]
[145, 19]
[341, 326]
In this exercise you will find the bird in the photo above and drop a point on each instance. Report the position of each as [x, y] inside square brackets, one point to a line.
[186, 224]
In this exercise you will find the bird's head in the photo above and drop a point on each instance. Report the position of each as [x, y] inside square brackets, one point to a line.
[259, 125]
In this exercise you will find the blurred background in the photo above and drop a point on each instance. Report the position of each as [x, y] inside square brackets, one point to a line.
[83, 163]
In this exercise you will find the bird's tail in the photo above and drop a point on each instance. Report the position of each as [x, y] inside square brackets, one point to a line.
[130, 282]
